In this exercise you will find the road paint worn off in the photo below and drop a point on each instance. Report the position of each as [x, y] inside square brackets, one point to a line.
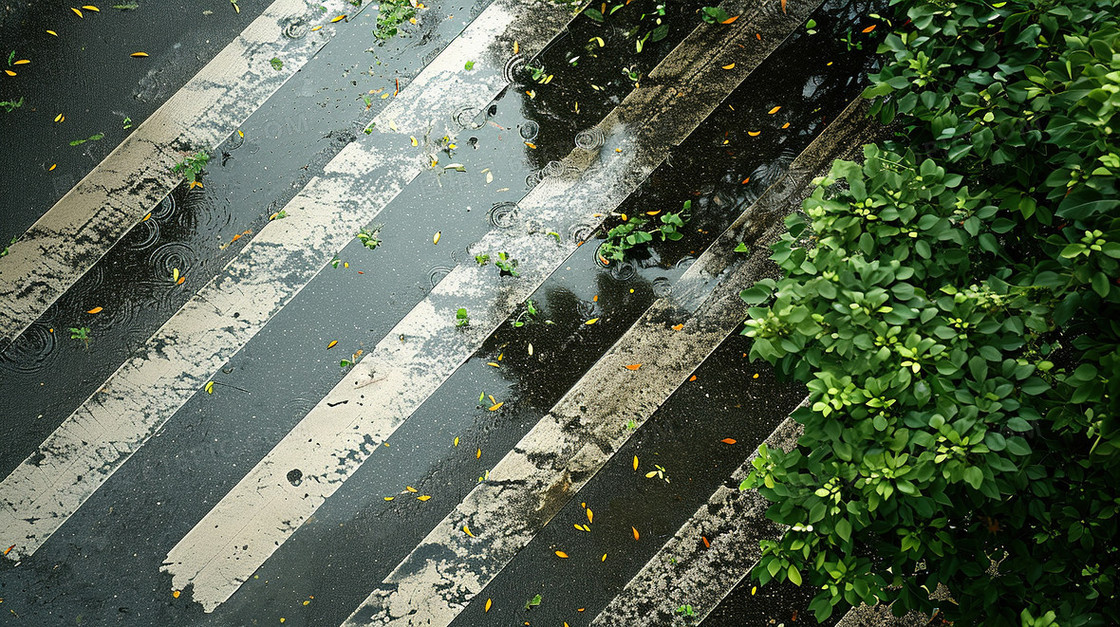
[580, 434]
[734, 520]
[85, 223]
[142, 395]
[235, 538]
[375, 398]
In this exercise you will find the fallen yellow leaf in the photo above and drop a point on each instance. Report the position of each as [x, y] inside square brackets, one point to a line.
[490, 363]
[9, 72]
[175, 594]
[55, 165]
[678, 327]
[488, 604]
[210, 387]
[423, 498]
[138, 54]
[531, 145]
[604, 558]
[94, 310]
[76, 12]
[90, 7]
[435, 238]
[413, 140]
[754, 133]
[729, 66]
[411, 489]
[592, 321]
[338, 18]
[51, 32]
[456, 443]
[590, 515]
[478, 454]
[774, 110]
[635, 462]
[497, 406]
[467, 530]
[315, 28]
[636, 534]
[516, 47]
[390, 498]
[22, 62]
[562, 555]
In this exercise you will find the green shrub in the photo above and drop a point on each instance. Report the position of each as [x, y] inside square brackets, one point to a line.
[954, 311]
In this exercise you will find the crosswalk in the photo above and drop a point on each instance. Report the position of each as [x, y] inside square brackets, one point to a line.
[107, 452]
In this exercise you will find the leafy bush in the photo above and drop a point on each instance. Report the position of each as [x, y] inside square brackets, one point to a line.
[954, 311]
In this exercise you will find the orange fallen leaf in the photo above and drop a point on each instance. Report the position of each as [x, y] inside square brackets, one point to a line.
[783, 6]
[331, 345]
[562, 555]
[774, 110]
[758, 36]
[497, 406]
[9, 72]
[22, 62]
[730, 20]
[746, 180]
[53, 166]
[786, 125]
[175, 594]
[9, 549]
[707, 544]
[531, 145]
[633, 366]
[678, 327]
[94, 310]
[636, 534]
[181, 279]
[317, 28]
[869, 28]
[729, 440]
[147, 217]
[754, 133]
[595, 298]
[692, 378]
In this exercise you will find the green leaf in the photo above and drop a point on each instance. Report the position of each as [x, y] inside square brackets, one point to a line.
[742, 248]
[844, 529]
[468, 66]
[794, 575]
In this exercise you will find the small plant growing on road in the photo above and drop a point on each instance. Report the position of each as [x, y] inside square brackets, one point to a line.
[80, 333]
[390, 15]
[461, 318]
[369, 238]
[11, 105]
[191, 167]
[506, 265]
[526, 316]
[482, 259]
[637, 230]
[276, 63]
[686, 610]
